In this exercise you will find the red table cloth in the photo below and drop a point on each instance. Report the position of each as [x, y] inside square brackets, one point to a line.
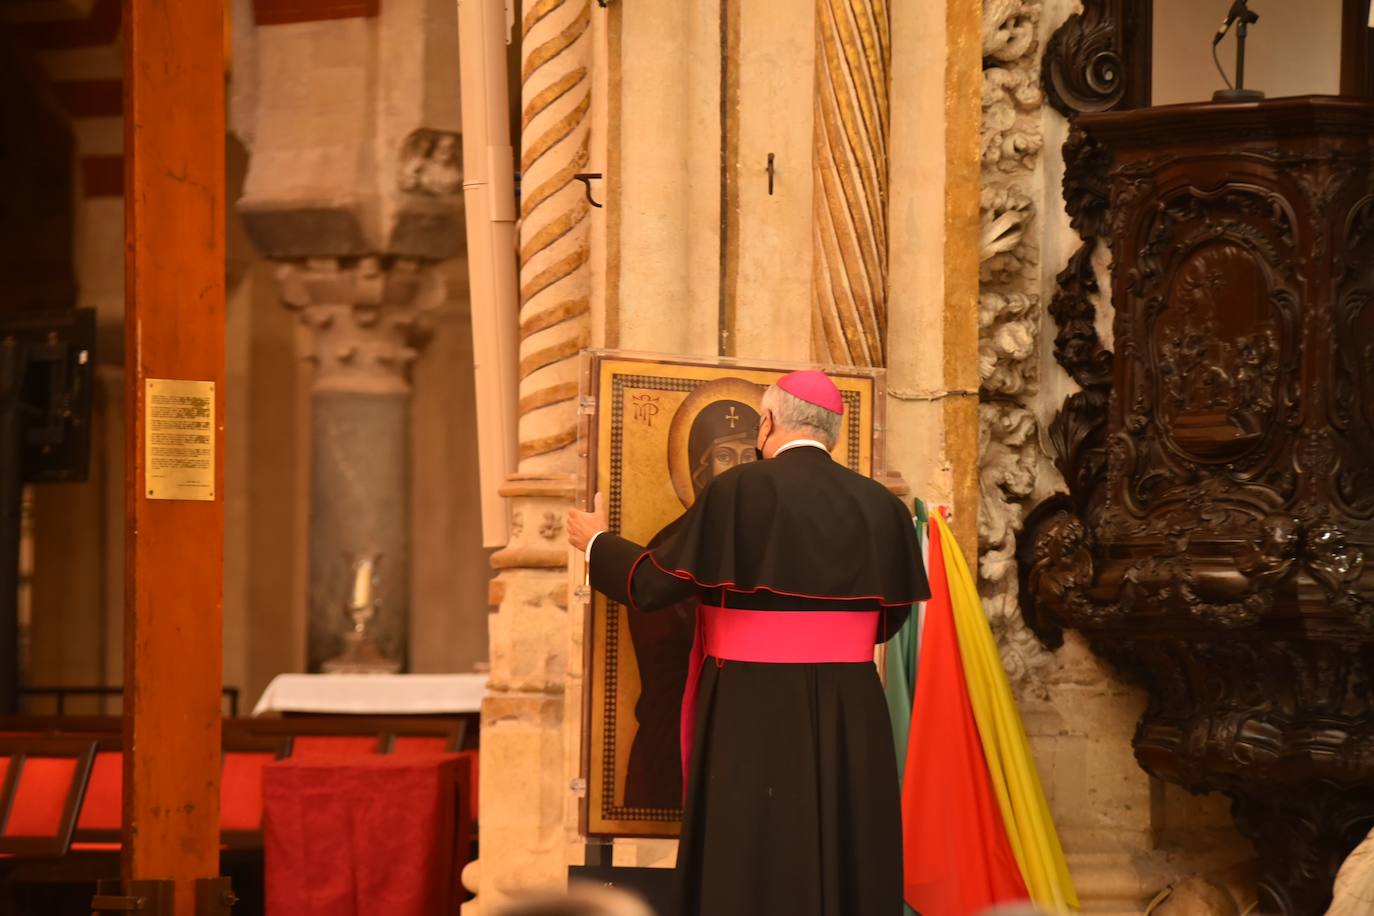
[362, 836]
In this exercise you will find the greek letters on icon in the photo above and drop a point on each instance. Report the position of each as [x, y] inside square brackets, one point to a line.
[646, 408]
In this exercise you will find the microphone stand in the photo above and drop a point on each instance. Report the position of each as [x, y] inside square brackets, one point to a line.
[1240, 93]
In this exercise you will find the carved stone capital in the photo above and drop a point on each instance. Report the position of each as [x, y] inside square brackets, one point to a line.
[538, 506]
[363, 321]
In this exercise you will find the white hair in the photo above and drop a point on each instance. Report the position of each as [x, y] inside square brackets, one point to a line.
[793, 415]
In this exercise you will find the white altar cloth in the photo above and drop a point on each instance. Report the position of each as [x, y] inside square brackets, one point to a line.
[374, 694]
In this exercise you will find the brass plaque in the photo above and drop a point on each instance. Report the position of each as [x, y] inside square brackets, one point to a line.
[179, 439]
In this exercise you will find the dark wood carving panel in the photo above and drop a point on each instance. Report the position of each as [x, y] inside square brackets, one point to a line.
[1237, 443]
[1215, 540]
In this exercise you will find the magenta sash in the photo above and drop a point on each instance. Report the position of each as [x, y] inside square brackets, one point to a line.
[775, 637]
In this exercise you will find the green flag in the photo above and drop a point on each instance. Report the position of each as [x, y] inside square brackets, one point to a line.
[902, 650]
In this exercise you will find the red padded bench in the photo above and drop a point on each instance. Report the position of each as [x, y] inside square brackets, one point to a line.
[61, 788]
[42, 789]
[72, 795]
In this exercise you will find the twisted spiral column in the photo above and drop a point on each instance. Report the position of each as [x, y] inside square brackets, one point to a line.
[555, 279]
[525, 773]
[849, 282]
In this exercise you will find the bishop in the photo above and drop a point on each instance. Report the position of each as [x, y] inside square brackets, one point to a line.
[801, 566]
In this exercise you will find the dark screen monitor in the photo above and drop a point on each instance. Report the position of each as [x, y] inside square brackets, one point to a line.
[57, 354]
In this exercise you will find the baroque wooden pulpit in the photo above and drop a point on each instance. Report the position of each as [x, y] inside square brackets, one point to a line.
[1218, 543]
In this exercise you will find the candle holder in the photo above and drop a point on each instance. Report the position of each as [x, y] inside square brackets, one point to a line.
[361, 654]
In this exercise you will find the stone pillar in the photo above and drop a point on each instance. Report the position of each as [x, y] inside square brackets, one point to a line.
[354, 189]
[361, 325]
[555, 279]
[849, 286]
[525, 784]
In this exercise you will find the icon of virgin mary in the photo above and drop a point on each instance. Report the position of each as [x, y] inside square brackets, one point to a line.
[712, 431]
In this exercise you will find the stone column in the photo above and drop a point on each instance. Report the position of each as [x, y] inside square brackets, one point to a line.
[354, 189]
[361, 325]
[849, 287]
[555, 279]
[525, 784]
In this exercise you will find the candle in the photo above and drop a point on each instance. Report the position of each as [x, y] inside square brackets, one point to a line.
[362, 584]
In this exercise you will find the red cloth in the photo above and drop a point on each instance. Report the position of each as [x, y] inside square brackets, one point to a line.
[409, 745]
[319, 747]
[360, 837]
[240, 789]
[957, 858]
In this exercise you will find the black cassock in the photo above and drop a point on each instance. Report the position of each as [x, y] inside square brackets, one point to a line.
[792, 804]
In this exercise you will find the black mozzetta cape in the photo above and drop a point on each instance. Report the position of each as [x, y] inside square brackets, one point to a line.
[767, 533]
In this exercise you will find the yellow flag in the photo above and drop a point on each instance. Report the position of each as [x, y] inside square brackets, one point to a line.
[1015, 781]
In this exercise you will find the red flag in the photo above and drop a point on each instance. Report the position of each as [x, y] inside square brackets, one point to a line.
[958, 860]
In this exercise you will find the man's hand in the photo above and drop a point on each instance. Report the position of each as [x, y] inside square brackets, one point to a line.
[583, 525]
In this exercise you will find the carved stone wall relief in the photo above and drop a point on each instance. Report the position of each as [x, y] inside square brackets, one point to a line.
[1009, 314]
[430, 163]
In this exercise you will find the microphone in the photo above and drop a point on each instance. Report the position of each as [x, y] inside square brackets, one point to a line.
[1237, 10]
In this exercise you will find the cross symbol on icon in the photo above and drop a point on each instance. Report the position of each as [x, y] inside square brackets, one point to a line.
[732, 416]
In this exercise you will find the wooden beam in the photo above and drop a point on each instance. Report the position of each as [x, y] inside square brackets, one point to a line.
[174, 313]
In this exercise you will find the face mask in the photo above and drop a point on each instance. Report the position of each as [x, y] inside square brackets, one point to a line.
[758, 453]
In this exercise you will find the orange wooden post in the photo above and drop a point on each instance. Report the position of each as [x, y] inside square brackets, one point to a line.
[174, 307]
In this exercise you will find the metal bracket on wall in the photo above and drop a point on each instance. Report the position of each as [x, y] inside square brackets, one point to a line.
[215, 897]
[150, 898]
[586, 179]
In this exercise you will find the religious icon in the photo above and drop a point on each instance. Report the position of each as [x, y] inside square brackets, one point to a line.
[719, 422]
[651, 466]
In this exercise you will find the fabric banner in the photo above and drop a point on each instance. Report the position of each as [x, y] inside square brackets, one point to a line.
[1011, 768]
[958, 859]
[900, 656]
